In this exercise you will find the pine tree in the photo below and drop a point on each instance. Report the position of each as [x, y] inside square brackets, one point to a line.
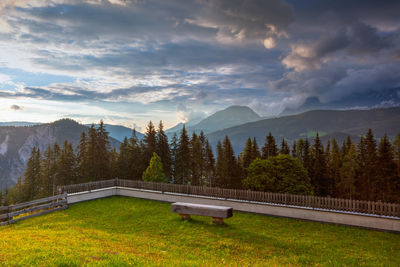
[294, 149]
[386, 172]
[196, 159]
[347, 171]
[91, 154]
[255, 150]
[154, 172]
[202, 163]
[396, 150]
[48, 171]
[163, 150]
[220, 165]
[31, 187]
[228, 169]
[174, 153]
[269, 149]
[150, 142]
[103, 153]
[82, 159]
[209, 165]
[284, 148]
[66, 165]
[334, 163]
[306, 156]
[183, 159]
[247, 154]
[114, 168]
[367, 168]
[321, 183]
[300, 150]
[137, 160]
[124, 160]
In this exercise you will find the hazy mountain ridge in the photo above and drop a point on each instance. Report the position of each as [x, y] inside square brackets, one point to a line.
[229, 117]
[337, 123]
[16, 144]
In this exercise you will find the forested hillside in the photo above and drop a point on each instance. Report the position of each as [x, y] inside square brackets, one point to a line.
[16, 144]
[335, 123]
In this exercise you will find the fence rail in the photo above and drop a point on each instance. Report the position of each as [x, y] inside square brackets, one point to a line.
[328, 203]
[9, 214]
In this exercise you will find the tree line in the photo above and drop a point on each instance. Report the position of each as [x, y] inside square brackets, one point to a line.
[369, 170]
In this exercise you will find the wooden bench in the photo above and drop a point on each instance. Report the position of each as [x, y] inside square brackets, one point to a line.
[218, 213]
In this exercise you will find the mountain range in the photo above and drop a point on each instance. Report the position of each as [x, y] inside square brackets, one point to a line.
[237, 122]
[328, 123]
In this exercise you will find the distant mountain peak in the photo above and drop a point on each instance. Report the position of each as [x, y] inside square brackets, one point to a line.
[229, 117]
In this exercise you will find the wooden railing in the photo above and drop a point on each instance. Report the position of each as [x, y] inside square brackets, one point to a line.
[313, 202]
[14, 213]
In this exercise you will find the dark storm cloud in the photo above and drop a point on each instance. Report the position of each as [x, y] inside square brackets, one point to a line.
[210, 52]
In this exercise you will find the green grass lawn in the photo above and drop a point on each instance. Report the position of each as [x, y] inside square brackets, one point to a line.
[126, 231]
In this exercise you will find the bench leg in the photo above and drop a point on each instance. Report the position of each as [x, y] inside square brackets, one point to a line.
[184, 216]
[218, 220]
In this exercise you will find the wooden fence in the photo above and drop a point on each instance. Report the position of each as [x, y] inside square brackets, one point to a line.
[14, 213]
[313, 202]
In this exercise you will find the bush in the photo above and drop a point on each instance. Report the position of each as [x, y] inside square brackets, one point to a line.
[280, 174]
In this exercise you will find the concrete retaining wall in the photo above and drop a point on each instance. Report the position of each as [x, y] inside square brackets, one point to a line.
[360, 220]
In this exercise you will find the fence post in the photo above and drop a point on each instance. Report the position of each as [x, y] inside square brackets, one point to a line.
[8, 215]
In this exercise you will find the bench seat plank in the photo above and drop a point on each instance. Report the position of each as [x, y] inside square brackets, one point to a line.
[202, 210]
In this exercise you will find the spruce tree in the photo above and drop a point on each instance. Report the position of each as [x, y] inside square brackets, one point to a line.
[334, 163]
[321, 183]
[228, 169]
[82, 159]
[294, 149]
[91, 154]
[48, 171]
[220, 165]
[174, 153]
[367, 168]
[103, 153]
[114, 168]
[196, 159]
[247, 154]
[284, 148]
[183, 159]
[347, 171]
[163, 150]
[396, 150]
[305, 156]
[209, 165]
[255, 150]
[137, 159]
[31, 187]
[300, 150]
[66, 165]
[269, 149]
[124, 160]
[150, 142]
[386, 172]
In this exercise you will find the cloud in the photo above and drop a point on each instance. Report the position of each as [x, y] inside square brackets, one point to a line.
[204, 55]
[354, 41]
[16, 107]
[269, 42]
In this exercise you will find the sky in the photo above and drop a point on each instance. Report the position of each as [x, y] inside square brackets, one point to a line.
[131, 61]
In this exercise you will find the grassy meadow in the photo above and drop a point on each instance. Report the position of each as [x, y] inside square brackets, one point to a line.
[121, 231]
